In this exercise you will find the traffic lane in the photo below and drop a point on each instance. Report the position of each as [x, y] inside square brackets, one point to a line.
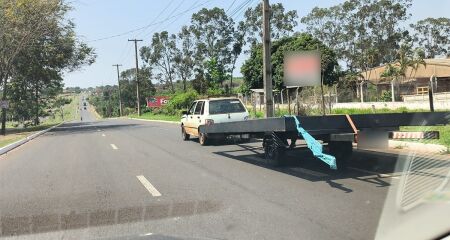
[73, 210]
[85, 114]
[192, 201]
[67, 174]
[313, 192]
[179, 180]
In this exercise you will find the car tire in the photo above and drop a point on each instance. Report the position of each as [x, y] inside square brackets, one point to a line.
[203, 139]
[184, 135]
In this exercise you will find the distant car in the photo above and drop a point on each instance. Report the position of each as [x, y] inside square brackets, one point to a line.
[210, 111]
[84, 104]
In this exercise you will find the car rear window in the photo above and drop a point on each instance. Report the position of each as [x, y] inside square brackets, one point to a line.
[225, 106]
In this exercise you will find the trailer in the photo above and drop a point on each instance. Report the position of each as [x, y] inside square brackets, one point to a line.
[337, 132]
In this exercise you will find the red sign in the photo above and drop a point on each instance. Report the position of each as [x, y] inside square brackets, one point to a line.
[157, 101]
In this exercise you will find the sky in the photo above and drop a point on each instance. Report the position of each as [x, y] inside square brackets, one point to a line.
[98, 20]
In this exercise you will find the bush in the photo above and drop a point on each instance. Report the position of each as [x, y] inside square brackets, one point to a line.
[177, 103]
[215, 92]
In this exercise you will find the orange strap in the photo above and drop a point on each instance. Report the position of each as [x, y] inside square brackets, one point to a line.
[352, 124]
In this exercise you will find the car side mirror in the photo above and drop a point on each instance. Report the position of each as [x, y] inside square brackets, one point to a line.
[184, 112]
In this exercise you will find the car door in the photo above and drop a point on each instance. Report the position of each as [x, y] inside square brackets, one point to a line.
[198, 119]
[189, 125]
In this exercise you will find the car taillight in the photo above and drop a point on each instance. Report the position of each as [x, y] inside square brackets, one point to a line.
[209, 121]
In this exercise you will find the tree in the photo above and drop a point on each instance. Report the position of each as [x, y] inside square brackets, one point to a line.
[361, 32]
[392, 73]
[39, 44]
[184, 58]
[433, 34]
[59, 105]
[252, 67]
[128, 86]
[282, 22]
[236, 50]
[161, 54]
[213, 31]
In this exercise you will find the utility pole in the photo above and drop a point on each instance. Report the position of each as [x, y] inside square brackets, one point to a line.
[267, 68]
[118, 82]
[137, 72]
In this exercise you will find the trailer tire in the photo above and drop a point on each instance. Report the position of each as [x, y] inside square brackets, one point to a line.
[184, 135]
[342, 151]
[273, 152]
[274, 155]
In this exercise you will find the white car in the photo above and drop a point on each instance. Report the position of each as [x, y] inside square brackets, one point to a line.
[210, 111]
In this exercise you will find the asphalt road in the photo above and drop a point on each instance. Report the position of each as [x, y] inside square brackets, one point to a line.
[99, 179]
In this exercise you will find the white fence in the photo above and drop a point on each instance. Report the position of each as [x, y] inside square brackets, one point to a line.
[441, 102]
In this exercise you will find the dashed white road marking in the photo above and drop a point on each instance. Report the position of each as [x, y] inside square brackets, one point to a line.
[103, 135]
[150, 188]
[98, 130]
[114, 146]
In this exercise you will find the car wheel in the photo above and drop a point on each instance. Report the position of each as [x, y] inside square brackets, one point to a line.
[184, 135]
[202, 139]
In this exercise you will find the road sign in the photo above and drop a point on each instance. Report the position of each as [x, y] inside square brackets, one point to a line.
[302, 69]
[4, 104]
[158, 101]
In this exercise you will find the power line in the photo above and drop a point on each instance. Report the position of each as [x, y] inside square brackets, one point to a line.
[160, 13]
[170, 14]
[242, 11]
[148, 25]
[176, 19]
[232, 4]
[240, 7]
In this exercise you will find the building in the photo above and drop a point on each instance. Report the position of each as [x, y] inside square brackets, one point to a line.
[415, 81]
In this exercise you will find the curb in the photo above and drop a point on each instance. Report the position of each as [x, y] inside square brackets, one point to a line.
[149, 120]
[13, 145]
[419, 147]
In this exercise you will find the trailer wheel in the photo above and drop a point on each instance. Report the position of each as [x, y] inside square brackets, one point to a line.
[274, 150]
[342, 151]
[203, 139]
[184, 135]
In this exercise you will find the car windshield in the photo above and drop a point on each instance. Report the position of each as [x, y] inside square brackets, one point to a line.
[225, 106]
[225, 119]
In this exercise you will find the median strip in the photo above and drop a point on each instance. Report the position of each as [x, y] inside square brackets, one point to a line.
[150, 188]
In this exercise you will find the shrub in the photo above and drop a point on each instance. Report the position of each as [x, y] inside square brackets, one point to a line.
[178, 102]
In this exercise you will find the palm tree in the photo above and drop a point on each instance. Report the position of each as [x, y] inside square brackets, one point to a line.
[393, 73]
[417, 60]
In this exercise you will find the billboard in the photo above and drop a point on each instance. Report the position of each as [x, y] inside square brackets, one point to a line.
[302, 69]
[158, 101]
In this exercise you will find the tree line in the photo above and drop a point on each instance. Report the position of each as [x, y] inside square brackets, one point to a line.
[357, 34]
[38, 45]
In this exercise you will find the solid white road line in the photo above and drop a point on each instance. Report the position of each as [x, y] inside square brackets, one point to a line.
[150, 188]
[114, 146]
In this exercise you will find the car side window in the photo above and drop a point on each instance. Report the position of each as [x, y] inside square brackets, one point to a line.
[191, 109]
[199, 108]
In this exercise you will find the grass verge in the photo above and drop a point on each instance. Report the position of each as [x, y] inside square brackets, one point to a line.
[14, 134]
[444, 134]
[151, 116]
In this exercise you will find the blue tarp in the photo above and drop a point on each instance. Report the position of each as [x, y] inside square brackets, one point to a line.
[314, 145]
